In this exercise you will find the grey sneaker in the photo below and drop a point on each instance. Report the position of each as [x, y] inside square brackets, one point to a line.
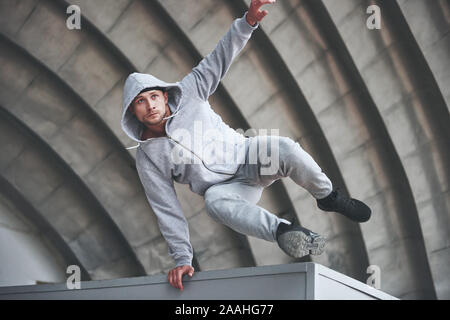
[297, 241]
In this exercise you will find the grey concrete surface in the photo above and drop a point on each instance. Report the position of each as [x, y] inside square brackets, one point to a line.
[341, 103]
[296, 281]
[48, 186]
[74, 134]
[370, 106]
[430, 24]
[27, 245]
[400, 84]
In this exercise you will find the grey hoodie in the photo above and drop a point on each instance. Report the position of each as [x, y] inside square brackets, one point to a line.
[198, 145]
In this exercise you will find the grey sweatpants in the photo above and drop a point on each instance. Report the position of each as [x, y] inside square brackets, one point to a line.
[268, 158]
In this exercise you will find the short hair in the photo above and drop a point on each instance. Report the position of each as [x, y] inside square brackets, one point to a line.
[153, 88]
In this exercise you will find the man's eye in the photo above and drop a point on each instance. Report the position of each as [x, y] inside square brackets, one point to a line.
[140, 100]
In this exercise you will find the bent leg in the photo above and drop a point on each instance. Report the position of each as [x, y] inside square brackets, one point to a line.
[234, 204]
[279, 157]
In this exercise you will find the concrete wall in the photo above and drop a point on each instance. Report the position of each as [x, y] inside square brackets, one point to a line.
[26, 255]
[371, 106]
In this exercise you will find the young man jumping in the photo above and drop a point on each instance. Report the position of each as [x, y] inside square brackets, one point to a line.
[182, 139]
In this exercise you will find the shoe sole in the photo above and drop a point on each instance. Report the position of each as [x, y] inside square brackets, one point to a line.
[298, 244]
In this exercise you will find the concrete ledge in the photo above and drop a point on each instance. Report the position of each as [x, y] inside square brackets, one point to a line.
[297, 281]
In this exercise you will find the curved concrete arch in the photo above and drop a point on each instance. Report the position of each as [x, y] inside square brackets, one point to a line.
[65, 122]
[35, 225]
[420, 134]
[262, 71]
[44, 22]
[139, 238]
[390, 125]
[115, 199]
[53, 189]
[338, 102]
[432, 36]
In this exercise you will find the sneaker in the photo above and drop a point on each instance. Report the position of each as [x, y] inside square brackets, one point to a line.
[297, 241]
[351, 208]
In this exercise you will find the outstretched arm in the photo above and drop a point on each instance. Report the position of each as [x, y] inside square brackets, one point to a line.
[206, 76]
[162, 197]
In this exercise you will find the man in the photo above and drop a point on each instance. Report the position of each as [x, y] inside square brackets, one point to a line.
[174, 123]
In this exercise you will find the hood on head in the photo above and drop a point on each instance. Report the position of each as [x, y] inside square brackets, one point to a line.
[135, 83]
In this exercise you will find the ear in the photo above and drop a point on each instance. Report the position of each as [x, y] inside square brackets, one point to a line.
[166, 97]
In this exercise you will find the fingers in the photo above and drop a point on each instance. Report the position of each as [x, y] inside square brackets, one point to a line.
[264, 13]
[259, 3]
[178, 281]
[171, 278]
[267, 1]
[254, 14]
[175, 276]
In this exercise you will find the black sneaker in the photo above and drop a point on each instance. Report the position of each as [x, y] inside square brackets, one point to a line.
[297, 241]
[351, 208]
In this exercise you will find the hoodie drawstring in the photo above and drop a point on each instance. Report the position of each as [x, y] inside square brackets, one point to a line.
[170, 116]
[133, 147]
[137, 146]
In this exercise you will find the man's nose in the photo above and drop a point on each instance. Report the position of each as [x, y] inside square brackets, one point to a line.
[151, 104]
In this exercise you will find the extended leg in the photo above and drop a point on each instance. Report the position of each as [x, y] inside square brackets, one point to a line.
[282, 157]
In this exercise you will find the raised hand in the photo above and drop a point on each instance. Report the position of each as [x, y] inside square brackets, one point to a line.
[254, 15]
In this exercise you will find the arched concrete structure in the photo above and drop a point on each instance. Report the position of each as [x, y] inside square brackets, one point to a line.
[357, 99]
[402, 87]
[31, 241]
[50, 187]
